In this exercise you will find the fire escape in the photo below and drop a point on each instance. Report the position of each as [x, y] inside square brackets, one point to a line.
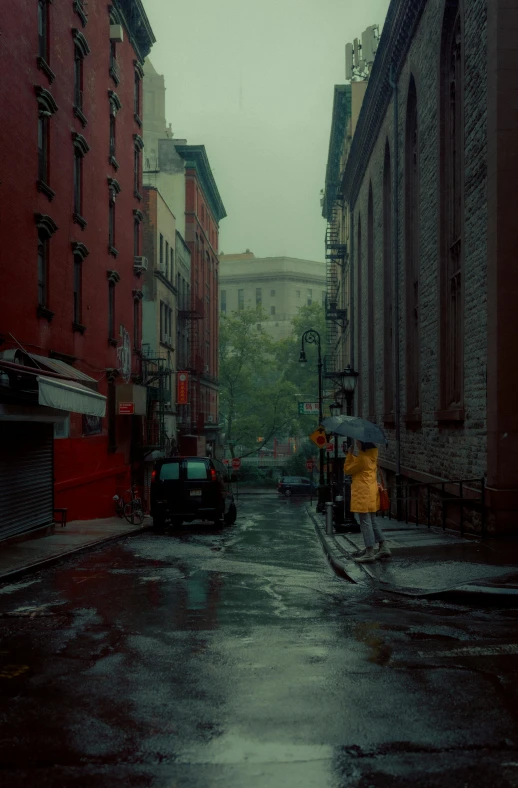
[190, 317]
[336, 260]
[156, 376]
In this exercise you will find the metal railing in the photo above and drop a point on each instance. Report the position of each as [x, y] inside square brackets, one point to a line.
[428, 502]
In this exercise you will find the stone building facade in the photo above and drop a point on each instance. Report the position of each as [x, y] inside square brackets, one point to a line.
[432, 307]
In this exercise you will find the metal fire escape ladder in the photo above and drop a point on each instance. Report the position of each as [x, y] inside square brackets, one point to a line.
[156, 371]
[336, 258]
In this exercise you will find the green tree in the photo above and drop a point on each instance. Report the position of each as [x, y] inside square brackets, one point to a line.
[257, 398]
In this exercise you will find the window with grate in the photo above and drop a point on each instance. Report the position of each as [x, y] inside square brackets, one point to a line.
[388, 285]
[452, 218]
[412, 252]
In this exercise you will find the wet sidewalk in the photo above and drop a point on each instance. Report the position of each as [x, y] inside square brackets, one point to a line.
[30, 555]
[427, 562]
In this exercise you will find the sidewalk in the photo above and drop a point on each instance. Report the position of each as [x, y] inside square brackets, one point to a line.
[30, 555]
[427, 562]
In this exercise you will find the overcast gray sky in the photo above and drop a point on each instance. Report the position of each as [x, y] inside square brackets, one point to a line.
[253, 81]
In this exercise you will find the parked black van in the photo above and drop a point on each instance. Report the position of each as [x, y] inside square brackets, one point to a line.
[184, 489]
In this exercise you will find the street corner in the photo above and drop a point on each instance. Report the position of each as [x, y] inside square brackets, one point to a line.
[341, 563]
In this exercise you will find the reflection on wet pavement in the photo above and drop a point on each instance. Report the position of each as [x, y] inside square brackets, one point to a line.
[236, 657]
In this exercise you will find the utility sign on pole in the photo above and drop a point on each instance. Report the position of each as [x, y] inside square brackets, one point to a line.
[308, 408]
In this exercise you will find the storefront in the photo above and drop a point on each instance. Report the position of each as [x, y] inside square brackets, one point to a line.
[31, 403]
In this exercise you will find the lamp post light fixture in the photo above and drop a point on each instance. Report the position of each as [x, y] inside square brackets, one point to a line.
[312, 337]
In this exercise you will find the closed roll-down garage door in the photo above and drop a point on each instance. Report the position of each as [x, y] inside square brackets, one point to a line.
[26, 483]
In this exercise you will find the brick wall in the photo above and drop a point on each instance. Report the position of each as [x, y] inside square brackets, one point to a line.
[433, 448]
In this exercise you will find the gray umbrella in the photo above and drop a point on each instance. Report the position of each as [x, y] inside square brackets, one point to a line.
[354, 427]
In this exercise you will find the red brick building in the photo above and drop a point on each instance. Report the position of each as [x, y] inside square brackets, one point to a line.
[70, 209]
[204, 210]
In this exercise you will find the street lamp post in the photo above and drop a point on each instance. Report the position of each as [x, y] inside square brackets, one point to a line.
[313, 338]
[335, 409]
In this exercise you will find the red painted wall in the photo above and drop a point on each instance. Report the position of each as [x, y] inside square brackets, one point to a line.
[86, 474]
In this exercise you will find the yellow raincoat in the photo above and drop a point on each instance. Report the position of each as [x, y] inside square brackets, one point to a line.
[364, 487]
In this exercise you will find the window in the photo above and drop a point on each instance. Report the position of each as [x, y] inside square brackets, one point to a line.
[111, 311]
[136, 237]
[136, 322]
[43, 148]
[166, 271]
[46, 228]
[138, 146]
[78, 79]
[223, 301]
[272, 293]
[170, 471]
[258, 296]
[78, 182]
[166, 323]
[113, 136]
[80, 149]
[240, 299]
[46, 108]
[115, 106]
[136, 94]
[452, 215]
[196, 469]
[114, 70]
[309, 299]
[43, 29]
[272, 310]
[111, 224]
[43, 257]
[370, 303]
[388, 357]
[161, 248]
[412, 251]
[171, 264]
[77, 303]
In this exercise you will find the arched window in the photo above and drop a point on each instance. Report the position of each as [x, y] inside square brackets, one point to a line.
[413, 399]
[370, 304]
[388, 355]
[452, 220]
[360, 318]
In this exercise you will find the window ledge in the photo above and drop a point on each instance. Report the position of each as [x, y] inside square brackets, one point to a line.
[79, 328]
[413, 419]
[42, 311]
[113, 251]
[45, 189]
[453, 415]
[137, 194]
[78, 219]
[113, 161]
[79, 114]
[44, 66]
[115, 74]
[80, 11]
[137, 120]
[112, 342]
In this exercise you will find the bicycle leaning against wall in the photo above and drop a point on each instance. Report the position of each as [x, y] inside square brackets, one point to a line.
[130, 509]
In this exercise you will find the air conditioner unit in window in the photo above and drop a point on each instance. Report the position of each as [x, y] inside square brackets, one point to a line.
[116, 34]
[206, 367]
[210, 418]
[139, 265]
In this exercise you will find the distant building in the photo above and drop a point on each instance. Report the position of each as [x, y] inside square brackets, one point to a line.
[281, 285]
[181, 175]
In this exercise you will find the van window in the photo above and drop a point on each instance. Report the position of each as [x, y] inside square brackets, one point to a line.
[170, 470]
[196, 469]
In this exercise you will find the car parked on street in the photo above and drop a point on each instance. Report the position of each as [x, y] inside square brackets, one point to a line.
[184, 489]
[296, 485]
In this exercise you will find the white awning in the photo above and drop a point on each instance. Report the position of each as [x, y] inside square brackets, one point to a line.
[70, 396]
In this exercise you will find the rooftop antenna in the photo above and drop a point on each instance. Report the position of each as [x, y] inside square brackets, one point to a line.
[359, 57]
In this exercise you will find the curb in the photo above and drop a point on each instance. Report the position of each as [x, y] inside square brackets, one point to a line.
[16, 574]
[345, 570]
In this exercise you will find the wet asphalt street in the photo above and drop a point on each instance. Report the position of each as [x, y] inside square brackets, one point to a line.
[236, 658]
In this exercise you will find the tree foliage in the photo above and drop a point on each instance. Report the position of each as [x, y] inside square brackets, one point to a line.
[261, 380]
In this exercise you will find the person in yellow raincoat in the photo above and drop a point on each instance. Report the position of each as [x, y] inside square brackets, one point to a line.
[365, 499]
